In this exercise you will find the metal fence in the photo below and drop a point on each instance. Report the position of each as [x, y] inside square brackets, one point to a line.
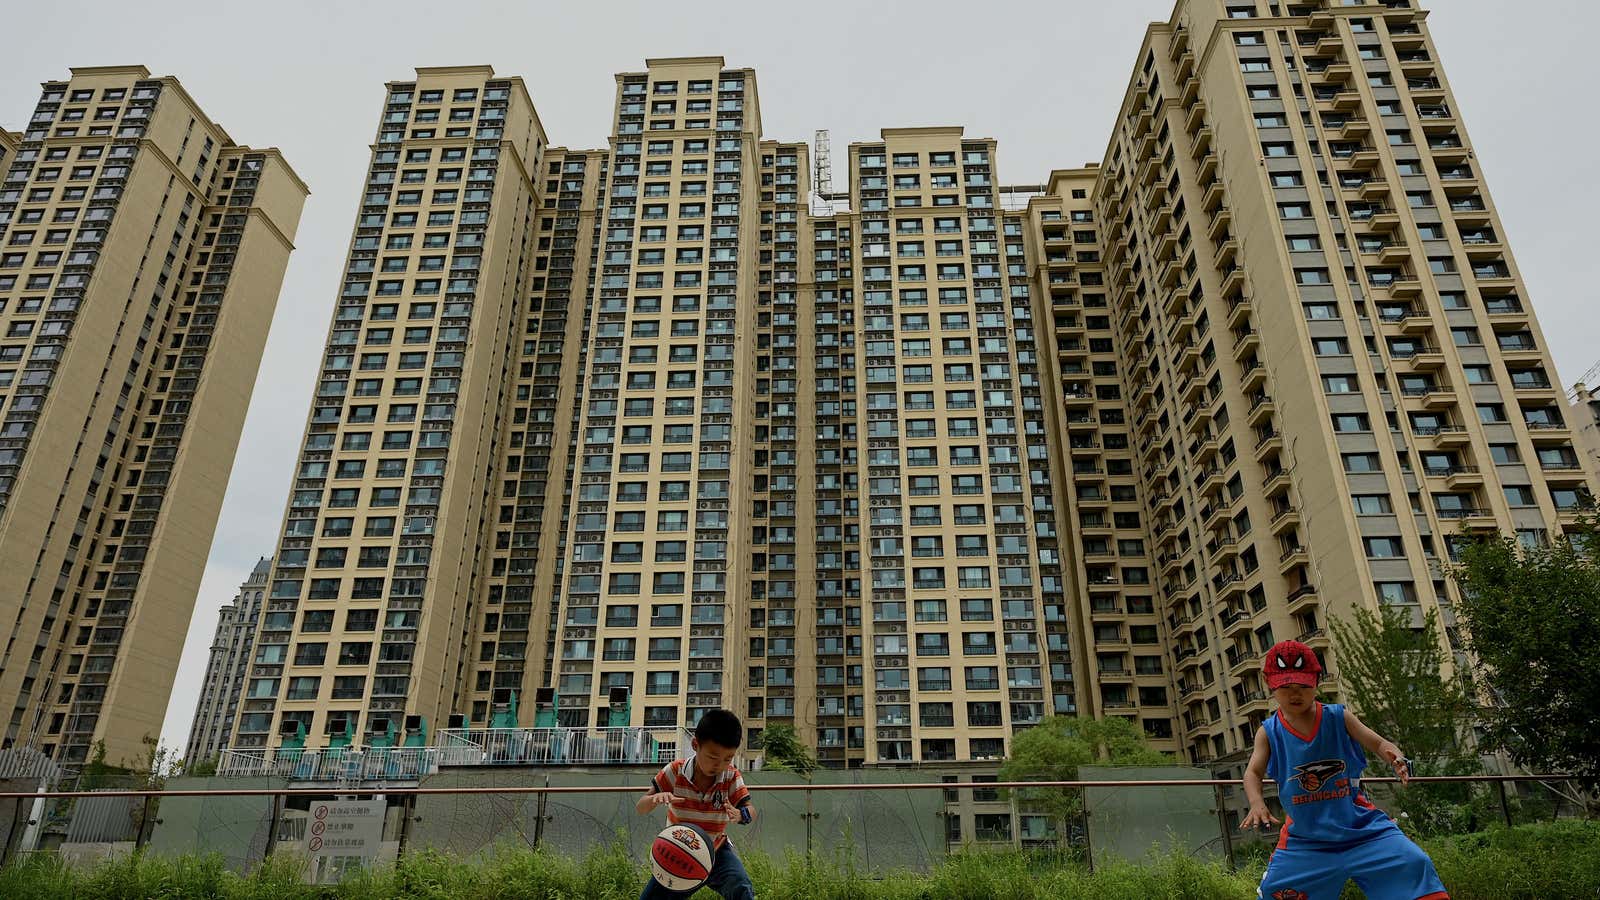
[463, 747]
[898, 820]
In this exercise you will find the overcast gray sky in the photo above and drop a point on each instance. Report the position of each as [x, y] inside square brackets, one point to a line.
[1043, 78]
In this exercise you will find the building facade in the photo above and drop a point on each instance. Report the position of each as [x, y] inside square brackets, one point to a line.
[1586, 423]
[141, 253]
[911, 465]
[226, 668]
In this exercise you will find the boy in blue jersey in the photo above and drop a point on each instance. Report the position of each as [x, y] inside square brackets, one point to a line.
[1331, 831]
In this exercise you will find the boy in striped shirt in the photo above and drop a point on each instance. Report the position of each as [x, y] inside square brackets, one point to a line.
[707, 791]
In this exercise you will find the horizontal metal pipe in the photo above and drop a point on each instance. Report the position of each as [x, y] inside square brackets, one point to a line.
[758, 788]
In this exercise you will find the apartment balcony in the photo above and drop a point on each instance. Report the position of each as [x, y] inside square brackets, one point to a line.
[1253, 702]
[1317, 638]
[1232, 280]
[1364, 159]
[1077, 398]
[1167, 244]
[1196, 117]
[1294, 556]
[1184, 626]
[1416, 66]
[1240, 662]
[1261, 408]
[1201, 142]
[1245, 343]
[1221, 218]
[1404, 287]
[1373, 189]
[1181, 327]
[1452, 436]
[1238, 312]
[1346, 101]
[1254, 377]
[1549, 432]
[1276, 483]
[1469, 517]
[1185, 64]
[1334, 73]
[1283, 519]
[1226, 252]
[1449, 153]
[1354, 129]
[1415, 322]
[1235, 621]
[1437, 122]
[1302, 598]
[1484, 250]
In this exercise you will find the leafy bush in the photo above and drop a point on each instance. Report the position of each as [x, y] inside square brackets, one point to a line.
[1560, 859]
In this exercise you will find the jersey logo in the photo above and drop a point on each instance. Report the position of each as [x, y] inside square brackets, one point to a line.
[1313, 775]
[1290, 894]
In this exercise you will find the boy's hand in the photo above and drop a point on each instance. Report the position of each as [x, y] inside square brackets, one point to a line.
[664, 798]
[1258, 817]
[1396, 759]
[732, 812]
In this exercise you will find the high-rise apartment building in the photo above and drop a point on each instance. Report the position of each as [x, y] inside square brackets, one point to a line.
[910, 465]
[1330, 367]
[226, 668]
[141, 254]
[375, 605]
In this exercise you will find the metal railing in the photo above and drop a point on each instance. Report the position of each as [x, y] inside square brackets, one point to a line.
[463, 747]
[545, 795]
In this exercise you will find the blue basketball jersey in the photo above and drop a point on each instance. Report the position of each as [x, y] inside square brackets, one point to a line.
[1319, 782]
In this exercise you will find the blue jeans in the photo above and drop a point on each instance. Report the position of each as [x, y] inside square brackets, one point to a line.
[728, 878]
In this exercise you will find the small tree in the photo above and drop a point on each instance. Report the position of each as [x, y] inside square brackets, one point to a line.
[1055, 748]
[1392, 678]
[96, 773]
[200, 768]
[785, 752]
[1530, 615]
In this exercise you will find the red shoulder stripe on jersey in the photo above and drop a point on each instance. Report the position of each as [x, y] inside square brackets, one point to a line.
[1315, 726]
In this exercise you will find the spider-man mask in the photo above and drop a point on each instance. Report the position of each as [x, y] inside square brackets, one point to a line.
[1291, 662]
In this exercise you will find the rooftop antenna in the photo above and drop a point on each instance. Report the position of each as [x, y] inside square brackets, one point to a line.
[822, 172]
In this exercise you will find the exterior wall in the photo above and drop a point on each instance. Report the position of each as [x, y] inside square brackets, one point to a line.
[1586, 425]
[159, 241]
[232, 649]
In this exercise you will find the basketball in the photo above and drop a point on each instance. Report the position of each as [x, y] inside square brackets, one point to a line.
[681, 857]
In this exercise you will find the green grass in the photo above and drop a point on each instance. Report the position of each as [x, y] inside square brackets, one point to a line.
[1532, 862]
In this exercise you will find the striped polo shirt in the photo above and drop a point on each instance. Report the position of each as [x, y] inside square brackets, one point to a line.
[691, 806]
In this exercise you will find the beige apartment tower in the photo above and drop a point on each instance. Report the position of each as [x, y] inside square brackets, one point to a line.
[227, 667]
[141, 254]
[607, 438]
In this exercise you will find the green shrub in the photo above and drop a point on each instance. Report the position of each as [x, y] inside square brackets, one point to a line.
[1531, 862]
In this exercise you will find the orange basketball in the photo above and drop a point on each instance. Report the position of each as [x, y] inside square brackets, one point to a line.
[680, 857]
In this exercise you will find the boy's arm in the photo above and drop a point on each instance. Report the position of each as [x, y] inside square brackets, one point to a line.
[1375, 743]
[739, 807]
[653, 797]
[1259, 815]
